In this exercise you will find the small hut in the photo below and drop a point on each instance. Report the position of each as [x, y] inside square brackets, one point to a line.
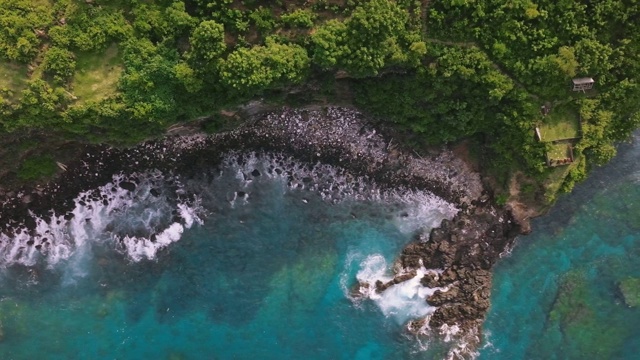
[582, 84]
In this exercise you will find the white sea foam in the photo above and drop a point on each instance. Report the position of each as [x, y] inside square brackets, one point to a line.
[110, 213]
[402, 302]
[138, 248]
[464, 345]
[420, 208]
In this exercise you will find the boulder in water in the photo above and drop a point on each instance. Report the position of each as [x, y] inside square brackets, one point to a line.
[128, 185]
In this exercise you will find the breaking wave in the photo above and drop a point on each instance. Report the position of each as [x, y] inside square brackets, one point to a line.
[138, 214]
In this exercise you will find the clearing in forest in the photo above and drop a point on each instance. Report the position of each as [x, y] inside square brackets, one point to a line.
[13, 79]
[560, 129]
[562, 123]
[96, 75]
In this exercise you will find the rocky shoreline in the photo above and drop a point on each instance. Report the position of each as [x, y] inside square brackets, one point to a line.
[464, 249]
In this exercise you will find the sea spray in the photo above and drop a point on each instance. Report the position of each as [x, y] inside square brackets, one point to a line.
[108, 213]
[402, 302]
[140, 222]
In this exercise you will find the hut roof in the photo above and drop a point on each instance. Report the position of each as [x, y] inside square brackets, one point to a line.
[584, 80]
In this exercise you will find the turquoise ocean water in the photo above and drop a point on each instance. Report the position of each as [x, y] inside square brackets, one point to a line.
[267, 274]
[259, 270]
[558, 296]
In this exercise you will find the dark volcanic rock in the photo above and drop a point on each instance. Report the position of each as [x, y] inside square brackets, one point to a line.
[128, 185]
[442, 297]
[430, 280]
[380, 286]
[466, 248]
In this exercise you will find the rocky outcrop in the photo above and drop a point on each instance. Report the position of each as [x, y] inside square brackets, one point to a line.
[465, 248]
[381, 286]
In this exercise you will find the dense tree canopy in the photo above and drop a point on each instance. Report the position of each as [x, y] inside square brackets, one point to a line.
[59, 62]
[264, 66]
[375, 35]
[19, 20]
[443, 70]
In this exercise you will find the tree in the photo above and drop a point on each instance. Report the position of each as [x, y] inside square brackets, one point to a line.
[19, 20]
[39, 105]
[594, 58]
[566, 61]
[188, 77]
[329, 44]
[177, 16]
[60, 63]
[149, 81]
[162, 24]
[264, 66]
[263, 19]
[207, 42]
[299, 18]
[375, 34]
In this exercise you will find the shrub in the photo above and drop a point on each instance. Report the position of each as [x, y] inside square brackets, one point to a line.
[60, 63]
[37, 168]
[299, 18]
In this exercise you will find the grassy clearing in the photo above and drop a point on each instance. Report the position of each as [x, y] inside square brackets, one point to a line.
[561, 123]
[556, 178]
[559, 151]
[37, 167]
[96, 75]
[13, 79]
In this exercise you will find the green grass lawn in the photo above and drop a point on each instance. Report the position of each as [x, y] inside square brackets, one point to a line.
[96, 75]
[13, 79]
[559, 151]
[561, 123]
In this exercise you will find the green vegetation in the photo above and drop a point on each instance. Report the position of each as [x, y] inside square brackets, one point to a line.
[559, 151]
[96, 75]
[561, 124]
[60, 63]
[261, 67]
[557, 178]
[37, 167]
[13, 79]
[120, 71]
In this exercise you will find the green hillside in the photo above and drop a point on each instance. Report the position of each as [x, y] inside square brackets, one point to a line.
[120, 71]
